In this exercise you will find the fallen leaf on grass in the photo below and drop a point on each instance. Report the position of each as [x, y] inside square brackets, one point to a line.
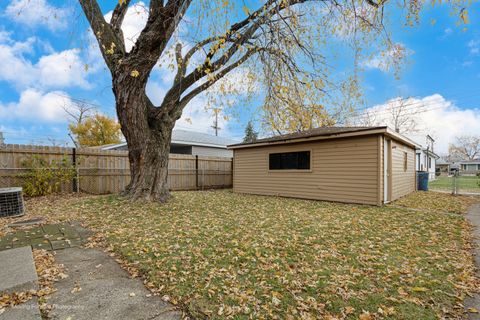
[472, 310]
[366, 316]
[419, 289]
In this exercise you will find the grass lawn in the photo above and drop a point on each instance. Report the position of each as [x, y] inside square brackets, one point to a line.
[464, 183]
[223, 255]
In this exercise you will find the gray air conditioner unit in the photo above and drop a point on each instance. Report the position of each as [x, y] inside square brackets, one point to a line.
[11, 202]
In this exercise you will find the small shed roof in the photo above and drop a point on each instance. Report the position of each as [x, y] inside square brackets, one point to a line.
[323, 133]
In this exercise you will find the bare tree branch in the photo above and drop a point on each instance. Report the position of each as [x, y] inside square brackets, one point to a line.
[162, 22]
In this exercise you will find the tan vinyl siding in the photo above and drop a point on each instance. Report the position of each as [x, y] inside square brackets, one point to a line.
[344, 170]
[403, 182]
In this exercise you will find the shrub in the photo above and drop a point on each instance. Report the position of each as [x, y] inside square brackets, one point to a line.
[43, 177]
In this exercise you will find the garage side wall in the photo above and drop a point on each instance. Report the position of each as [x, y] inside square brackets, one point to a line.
[344, 170]
[403, 174]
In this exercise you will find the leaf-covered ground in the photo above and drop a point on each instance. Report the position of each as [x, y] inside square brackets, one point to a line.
[225, 255]
[437, 201]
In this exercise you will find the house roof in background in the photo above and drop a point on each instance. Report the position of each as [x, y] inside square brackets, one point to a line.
[474, 161]
[428, 152]
[199, 138]
[324, 133]
[185, 137]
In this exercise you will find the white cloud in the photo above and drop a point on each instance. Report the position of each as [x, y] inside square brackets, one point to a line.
[474, 47]
[133, 23]
[386, 60]
[37, 106]
[436, 116]
[55, 70]
[33, 13]
[62, 69]
[446, 33]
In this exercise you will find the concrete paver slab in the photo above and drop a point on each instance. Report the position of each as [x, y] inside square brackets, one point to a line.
[17, 270]
[48, 237]
[17, 273]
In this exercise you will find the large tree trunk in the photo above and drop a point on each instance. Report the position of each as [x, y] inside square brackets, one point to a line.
[148, 141]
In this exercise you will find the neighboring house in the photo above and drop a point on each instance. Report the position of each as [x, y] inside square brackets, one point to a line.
[442, 166]
[426, 161]
[190, 142]
[470, 166]
[367, 165]
[425, 157]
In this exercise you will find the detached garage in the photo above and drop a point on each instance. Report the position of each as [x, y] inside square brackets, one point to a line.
[367, 165]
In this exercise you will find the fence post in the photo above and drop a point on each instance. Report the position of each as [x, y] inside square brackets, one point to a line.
[74, 163]
[196, 172]
[455, 181]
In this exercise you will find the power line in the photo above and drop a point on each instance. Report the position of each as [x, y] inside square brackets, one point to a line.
[419, 102]
[78, 100]
[385, 109]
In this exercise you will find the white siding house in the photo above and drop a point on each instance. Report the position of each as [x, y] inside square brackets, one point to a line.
[425, 157]
[426, 161]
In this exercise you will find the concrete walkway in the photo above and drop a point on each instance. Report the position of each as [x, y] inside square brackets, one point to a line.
[473, 216]
[98, 288]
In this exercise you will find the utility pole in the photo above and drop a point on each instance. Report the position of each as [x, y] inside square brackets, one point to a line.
[215, 122]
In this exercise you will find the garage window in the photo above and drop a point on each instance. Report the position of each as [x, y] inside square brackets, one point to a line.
[289, 161]
[405, 161]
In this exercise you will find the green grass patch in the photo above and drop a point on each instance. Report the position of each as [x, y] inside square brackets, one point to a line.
[464, 183]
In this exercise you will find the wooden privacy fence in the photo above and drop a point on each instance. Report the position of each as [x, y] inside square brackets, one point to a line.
[103, 172]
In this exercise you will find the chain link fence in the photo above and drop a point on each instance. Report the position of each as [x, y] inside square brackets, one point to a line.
[107, 180]
[457, 182]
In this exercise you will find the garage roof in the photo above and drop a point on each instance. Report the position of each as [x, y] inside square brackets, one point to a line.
[324, 133]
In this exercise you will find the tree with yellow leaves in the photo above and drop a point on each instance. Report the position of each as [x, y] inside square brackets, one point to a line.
[96, 131]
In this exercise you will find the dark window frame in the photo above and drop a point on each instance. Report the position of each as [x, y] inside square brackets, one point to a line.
[296, 161]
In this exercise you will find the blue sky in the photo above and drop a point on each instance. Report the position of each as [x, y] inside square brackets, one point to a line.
[44, 55]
